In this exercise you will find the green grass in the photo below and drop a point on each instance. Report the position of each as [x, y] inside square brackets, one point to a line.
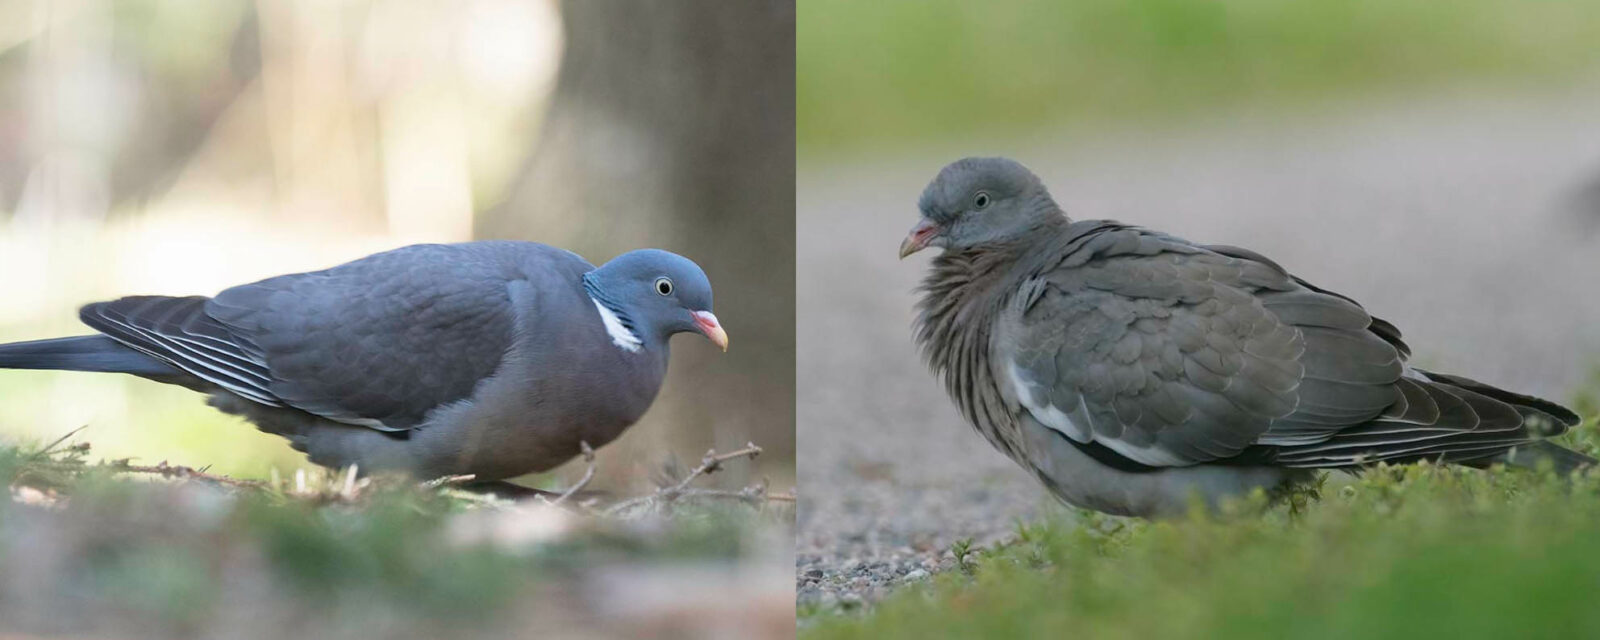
[874, 73]
[1405, 552]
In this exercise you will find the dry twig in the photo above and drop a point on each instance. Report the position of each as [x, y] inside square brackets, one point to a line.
[588, 474]
[710, 463]
[448, 481]
[51, 447]
[188, 473]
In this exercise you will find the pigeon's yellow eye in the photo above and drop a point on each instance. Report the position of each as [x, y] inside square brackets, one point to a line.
[981, 200]
[664, 286]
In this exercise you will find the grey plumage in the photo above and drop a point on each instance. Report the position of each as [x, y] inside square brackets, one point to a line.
[489, 358]
[1128, 368]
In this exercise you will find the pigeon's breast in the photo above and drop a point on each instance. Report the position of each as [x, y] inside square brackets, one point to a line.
[580, 371]
[560, 384]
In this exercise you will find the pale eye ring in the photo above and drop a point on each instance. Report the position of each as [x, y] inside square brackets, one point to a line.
[664, 286]
[981, 200]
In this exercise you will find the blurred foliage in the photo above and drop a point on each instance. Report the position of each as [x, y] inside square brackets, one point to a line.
[85, 547]
[905, 70]
[1400, 552]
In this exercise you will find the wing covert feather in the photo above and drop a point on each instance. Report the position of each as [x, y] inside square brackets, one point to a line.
[384, 340]
[1180, 354]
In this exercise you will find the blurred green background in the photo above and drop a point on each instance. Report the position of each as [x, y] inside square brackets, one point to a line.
[183, 146]
[877, 73]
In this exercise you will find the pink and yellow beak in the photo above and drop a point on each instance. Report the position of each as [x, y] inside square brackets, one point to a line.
[707, 323]
[920, 236]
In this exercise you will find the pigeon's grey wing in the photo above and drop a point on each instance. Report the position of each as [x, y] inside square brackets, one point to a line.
[1378, 326]
[1169, 353]
[1164, 356]
[178, 331]
[1360, 404]
[382, 341]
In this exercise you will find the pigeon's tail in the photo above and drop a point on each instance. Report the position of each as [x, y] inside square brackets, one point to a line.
[1538, 454]
[84, 353]
[1541, 417]
[1447, 418]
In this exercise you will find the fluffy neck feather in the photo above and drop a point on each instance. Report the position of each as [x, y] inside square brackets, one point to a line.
[967, 286]
[961, 299]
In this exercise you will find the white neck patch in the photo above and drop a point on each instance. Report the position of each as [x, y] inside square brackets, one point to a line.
[620, 335]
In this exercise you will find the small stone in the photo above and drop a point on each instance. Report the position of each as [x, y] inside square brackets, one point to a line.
[915, 575]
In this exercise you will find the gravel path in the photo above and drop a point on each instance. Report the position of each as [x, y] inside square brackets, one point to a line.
[1473, 223]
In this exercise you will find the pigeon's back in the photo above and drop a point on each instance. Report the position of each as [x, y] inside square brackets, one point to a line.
[379, 342]
[383, 340]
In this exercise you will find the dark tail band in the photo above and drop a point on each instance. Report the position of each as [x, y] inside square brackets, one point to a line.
[83, 353]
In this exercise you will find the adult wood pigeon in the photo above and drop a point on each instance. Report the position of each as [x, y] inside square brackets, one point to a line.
[1130, 370]
[487, 358]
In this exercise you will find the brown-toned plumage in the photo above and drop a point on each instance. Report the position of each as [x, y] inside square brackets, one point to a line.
[1129, 369]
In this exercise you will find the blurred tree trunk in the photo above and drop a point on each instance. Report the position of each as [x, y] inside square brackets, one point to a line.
[672, 126]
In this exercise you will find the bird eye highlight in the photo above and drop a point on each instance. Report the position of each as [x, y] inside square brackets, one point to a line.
[981, 200]
[664, 286]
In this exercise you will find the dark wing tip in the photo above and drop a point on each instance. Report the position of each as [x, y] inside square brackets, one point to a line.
[1564, 415]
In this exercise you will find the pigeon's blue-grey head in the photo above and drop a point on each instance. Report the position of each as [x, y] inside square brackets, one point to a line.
[976, 201]
[649, 294]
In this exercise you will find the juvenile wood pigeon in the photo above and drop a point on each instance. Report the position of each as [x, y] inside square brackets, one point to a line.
[1130, 370]
[488, 358]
